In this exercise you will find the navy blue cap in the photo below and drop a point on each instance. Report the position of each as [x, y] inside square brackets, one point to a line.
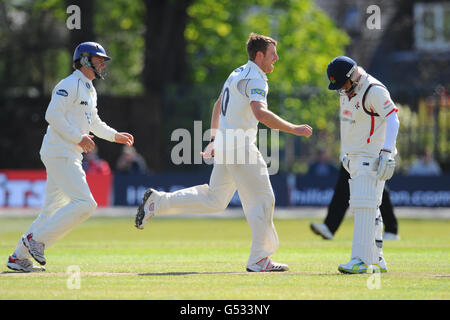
[339, 71]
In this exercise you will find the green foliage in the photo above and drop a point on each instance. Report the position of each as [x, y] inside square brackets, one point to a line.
[421, 130]
[31, 39]
[40, 27]
[120, 28]
[307, 38]
[56, 7]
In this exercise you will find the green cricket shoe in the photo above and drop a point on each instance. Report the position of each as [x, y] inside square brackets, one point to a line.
[356, 266]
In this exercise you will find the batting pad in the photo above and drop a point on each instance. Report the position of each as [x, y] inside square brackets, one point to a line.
[365, 191]
[364, 246]
[379, 234]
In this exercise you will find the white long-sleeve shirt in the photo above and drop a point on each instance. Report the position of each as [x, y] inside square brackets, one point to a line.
[361, 133]
[71, 113]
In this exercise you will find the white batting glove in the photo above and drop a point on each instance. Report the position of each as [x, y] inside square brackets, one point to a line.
[386, 165]
[346, 163]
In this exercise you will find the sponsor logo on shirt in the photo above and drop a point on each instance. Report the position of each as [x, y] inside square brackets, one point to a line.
[62, 92]
[84, 103]
[88, 116]
[258, 91]
[345, 119]
[387, 104]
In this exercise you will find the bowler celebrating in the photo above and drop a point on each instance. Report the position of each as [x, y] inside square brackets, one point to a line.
[369, 128]
[237, 111]
[72, 114]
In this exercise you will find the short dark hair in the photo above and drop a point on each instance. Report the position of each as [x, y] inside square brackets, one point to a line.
[77, 64]
[258, 42]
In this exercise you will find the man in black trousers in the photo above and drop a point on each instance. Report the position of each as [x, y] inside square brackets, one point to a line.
[339, 205]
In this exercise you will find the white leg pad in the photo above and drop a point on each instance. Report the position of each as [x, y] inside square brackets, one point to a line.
[365, 197]
[363, 246]
[365, 191]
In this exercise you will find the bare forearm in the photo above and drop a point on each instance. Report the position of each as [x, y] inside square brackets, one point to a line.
[273, 121]
[270, 119]
[215, 118]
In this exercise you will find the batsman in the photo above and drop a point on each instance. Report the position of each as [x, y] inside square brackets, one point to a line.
[369, 128]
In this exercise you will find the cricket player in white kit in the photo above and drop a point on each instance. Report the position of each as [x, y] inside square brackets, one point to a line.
[240, 106]
[72, 114]
[369, 128]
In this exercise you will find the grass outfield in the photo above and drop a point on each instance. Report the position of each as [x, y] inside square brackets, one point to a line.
[204, 259]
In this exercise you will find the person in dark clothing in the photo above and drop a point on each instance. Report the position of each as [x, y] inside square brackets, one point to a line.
[131, 162]
[322, 166]
[339, 205]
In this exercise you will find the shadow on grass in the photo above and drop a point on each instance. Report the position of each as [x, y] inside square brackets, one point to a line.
[181, 273]
[290, 273]
[21, 272]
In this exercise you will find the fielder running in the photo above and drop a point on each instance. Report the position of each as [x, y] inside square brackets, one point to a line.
[239, 108]
[72, 114]
[369, 128]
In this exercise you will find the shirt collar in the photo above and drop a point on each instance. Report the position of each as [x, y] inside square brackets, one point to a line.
[251, 63]
[81, 76]
[362, 80]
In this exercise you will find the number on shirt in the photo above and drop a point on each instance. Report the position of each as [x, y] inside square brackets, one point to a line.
[225, 100]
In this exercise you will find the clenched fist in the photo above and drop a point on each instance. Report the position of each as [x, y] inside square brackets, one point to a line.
[302, 130]
[86, 143]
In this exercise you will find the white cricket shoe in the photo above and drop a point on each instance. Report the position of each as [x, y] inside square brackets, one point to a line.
[356, 266]
[35, 248]
[322, 230]
[390, 236]
[147, 209]
[267, 265]
[24, 265]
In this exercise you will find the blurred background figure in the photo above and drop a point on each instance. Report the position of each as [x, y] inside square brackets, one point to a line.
[322, 166]
[130, 161]
[426, 165]
[92, 163]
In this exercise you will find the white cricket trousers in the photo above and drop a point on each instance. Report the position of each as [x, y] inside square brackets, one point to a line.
[68, 202]
[255, 191]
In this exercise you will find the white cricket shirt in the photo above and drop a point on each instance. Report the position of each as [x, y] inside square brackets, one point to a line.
[71, 113]
[237, 124]
[361, 133]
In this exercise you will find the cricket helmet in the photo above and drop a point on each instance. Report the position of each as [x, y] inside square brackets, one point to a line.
[339, 71]
[84, 53]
